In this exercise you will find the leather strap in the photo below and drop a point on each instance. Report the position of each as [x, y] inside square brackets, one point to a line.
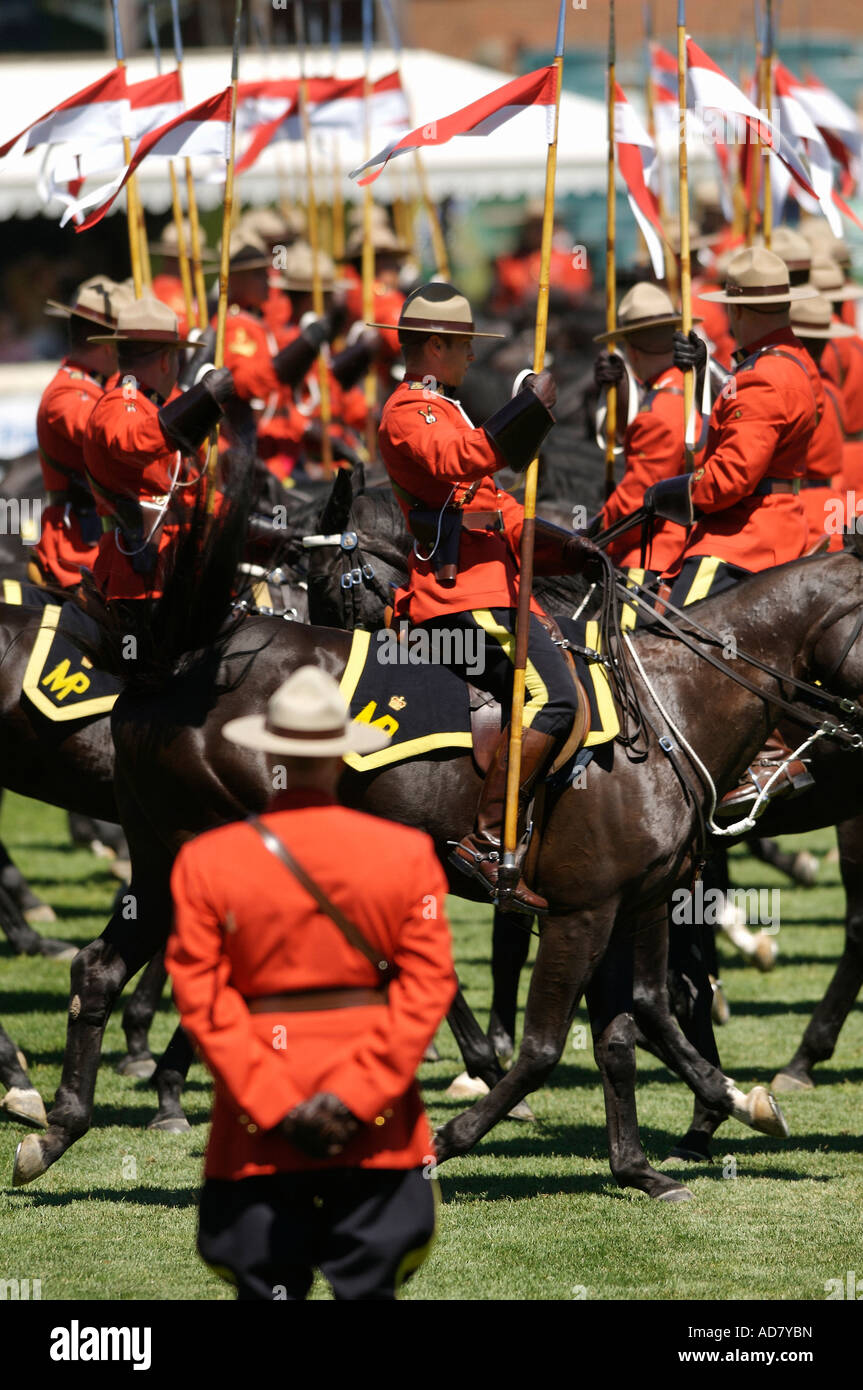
[771, 485]
[349, 930]
[306, 1000]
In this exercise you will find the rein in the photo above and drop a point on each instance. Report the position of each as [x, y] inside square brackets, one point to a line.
[814, 695]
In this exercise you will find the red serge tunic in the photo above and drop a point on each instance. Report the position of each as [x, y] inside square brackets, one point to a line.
[433, 452]
[169, 288]
[760, 430]
[653, 449]
[127, 455]
[823, 462]
[842, 363]
[245, 927]
[64, 411]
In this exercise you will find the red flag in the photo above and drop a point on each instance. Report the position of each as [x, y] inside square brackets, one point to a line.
[480, 118]
[88, 115]
[636, 155]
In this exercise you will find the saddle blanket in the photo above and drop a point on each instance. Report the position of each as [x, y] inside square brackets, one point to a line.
[425, 707]
[60, 682]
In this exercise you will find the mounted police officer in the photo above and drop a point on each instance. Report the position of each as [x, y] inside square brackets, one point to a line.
[463, 573]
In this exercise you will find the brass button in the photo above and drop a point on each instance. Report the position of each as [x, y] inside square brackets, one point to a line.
[379, 1120]
[389, 1114]
[243, 1119]
[253, 1129]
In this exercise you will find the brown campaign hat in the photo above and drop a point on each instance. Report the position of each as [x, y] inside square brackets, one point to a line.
[813, 318]
[145, 320]
[297, 268]
[271, 225]
[308, 717]
[168, 242]
[793, 248]
[383, 239]
[248, 251]
[643, 307]
[826, 275]
[96, 300]
[824, 241]
[437, 308]
[758, 276]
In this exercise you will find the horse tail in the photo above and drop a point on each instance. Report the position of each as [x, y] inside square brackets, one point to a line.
[147, 644]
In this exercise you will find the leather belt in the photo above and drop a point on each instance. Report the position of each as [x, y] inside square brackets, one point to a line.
[482, 521]
[855, 437]
[306, 1000]
[769, 485]
[816, 482]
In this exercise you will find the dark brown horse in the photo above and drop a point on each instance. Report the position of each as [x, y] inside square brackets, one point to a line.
[610, 855]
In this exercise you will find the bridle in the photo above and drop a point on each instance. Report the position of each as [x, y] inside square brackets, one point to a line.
[357, 573]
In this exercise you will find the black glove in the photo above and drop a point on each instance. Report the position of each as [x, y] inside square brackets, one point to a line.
[337, 318]
[543, 385]
[352, 363]
[321, 1126]
[608, 369]
[689, 351]
[220, 384]
[581, 556]
[671, 499]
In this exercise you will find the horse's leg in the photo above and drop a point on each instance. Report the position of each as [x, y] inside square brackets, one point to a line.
[759, 948]
[698, 1066]
[15, 894]
[477, 1051]
[98, 974]
[822, 1031]
[31, 907]
[169, 1078]
[609, 1001]
[22, 1101]
[102, 837]
[510, 944]
[801, 867]
[138, 1019]
[568, 947]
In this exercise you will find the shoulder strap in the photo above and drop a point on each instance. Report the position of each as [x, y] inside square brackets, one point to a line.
[349, 930]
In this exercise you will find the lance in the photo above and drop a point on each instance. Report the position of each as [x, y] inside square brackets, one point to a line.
[182, 255]
[650, 102]
[368, 261]
[285, 202]
[225, 258]
[610, 265]
[766, 103]
[431, 212]
[191, 200]
[131, 185]
[314, 239]
[755, 164]
[338, 203]
[509, 867]
[685, 267]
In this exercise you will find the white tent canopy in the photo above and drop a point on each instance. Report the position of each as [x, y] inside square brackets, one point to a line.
[510, 163]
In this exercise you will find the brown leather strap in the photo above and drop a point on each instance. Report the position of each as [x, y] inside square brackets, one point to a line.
[349, 930]
[306, 1000]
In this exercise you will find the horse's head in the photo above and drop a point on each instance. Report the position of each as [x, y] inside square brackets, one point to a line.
[837, 644]
[358, 558]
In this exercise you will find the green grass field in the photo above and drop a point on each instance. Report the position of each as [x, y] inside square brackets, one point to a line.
[533, 1214]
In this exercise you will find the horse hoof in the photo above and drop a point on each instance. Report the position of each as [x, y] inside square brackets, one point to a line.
[431, 1054]
[766, 952]
[466, 1087]
[29, 1161]
[140, 1067]
[38, 915]
[786, 1081]
[57, 950]
[522, 1111]
[25, 1105]
[172, 1124]
[677, 1194]
[805, 868]
[760, 1112]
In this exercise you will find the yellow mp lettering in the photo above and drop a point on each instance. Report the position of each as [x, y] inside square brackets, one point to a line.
[61, 683]
[386, 721]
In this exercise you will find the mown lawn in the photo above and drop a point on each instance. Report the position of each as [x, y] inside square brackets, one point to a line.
[533, 1214]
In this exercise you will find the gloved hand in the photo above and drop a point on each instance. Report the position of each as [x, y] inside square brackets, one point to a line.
[689, 351]
[544, 386]
[583, 557]
[321, 1126]
[337, 317]
[608, 369]
[593, 527]
[219, 383]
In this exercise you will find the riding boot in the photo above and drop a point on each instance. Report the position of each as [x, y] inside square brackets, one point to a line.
[479, 854]
[795, 777]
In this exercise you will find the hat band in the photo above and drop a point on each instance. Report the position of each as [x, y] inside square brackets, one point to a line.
[309, 735]
[732, 289]
[437, 325]
[658, 319]
[151, 335]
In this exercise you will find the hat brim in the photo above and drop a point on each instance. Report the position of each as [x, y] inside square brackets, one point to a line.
[787, 297]
[250, 731]
[133, 338]
[835, 330]
[845, 293]
[67, 311]
[253, 263]
[626, 330]
[441, 332]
